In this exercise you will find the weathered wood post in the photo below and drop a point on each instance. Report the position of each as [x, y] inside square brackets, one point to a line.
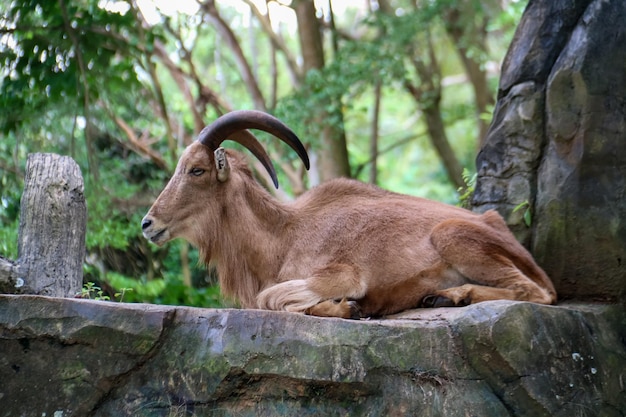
[53, 217]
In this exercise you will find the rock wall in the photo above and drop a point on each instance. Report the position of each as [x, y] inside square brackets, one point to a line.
[69, 357]
[558, 141]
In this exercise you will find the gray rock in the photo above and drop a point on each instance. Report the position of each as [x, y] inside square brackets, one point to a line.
[557, 142]
[581, 209]
[89, 358]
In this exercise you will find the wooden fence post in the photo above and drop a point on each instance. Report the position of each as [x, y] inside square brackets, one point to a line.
[53, 219]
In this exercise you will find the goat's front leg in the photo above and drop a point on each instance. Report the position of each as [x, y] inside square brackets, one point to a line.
[345, 309]
[316, 295]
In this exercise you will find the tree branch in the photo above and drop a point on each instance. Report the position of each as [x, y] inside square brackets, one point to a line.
[139, 145]
[93, 169]
[158, 90]
[401, 142]
[277, 41]
[231, 40]
[205, 94]
[14, 169]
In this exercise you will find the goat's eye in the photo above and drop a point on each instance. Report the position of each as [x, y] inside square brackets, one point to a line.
[196, 171]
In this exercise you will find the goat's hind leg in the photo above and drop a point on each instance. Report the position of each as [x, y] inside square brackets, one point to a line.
[465, 295]
[329, 292]
[491, 263]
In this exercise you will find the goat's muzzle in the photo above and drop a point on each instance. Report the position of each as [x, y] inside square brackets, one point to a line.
[152, 231]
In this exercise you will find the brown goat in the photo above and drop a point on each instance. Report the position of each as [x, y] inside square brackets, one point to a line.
[344, 248]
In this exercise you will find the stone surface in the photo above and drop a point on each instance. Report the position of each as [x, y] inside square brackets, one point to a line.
[88, 358]
[581, 209]
[557, 142]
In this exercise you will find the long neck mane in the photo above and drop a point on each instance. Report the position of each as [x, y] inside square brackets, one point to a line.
[248, 253]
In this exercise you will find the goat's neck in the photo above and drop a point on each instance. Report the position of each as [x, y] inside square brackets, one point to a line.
[249, 254]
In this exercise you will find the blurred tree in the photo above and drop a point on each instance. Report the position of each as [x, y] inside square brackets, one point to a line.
[123, 89]
[412, 34]
[466, 21]
[333, 152]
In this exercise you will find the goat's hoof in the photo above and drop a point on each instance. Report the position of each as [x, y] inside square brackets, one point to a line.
[436, 301]
[355, 310]
[464, 302]
[336, 308]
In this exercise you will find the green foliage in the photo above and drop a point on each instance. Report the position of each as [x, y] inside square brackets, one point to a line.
[170, 290]
[527, 214]
[8, 239]
[11, 184]
[91, 291]
[56, 55]
[143, 290]
[466, 192]
[114, 217]
[106, 225]
[335, 89]
[120, 295]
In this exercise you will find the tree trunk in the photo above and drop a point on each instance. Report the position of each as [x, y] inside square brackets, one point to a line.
[374, 133]
[468, 35]
[428, 98]
[333, 154]
[233, 44]
[53, 221]
[184, 263]
[439, 140]
[278, 43]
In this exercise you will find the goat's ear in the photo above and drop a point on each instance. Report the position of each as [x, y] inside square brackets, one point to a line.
[221, 163]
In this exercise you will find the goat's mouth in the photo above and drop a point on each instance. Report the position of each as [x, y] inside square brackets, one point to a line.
[158, 237]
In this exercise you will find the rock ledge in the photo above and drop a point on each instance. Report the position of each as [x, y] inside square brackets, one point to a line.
[87, 358]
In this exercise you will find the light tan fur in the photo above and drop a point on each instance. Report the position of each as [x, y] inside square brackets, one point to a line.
[342, 248]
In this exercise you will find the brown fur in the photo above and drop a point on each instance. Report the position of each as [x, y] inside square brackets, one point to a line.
[342, 247]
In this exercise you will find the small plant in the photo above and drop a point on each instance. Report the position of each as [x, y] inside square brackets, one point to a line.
[91, 291]
[525, 205]
[121, 293]
[466, 192]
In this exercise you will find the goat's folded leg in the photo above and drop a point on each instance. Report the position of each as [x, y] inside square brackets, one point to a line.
[345, 309]
[316, 295]
[498, 267]
[465, 295]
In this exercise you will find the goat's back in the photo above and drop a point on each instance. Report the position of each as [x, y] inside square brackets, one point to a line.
[348, 199]
[380, 231]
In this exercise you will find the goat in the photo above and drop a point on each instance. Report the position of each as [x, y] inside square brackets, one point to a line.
[344, 248]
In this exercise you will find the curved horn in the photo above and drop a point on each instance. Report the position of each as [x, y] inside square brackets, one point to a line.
[233, 126]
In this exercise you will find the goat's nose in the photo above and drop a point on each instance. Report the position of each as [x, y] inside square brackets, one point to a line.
[145, 223]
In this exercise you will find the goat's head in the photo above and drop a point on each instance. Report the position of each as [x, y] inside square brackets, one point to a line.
[195, 193]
